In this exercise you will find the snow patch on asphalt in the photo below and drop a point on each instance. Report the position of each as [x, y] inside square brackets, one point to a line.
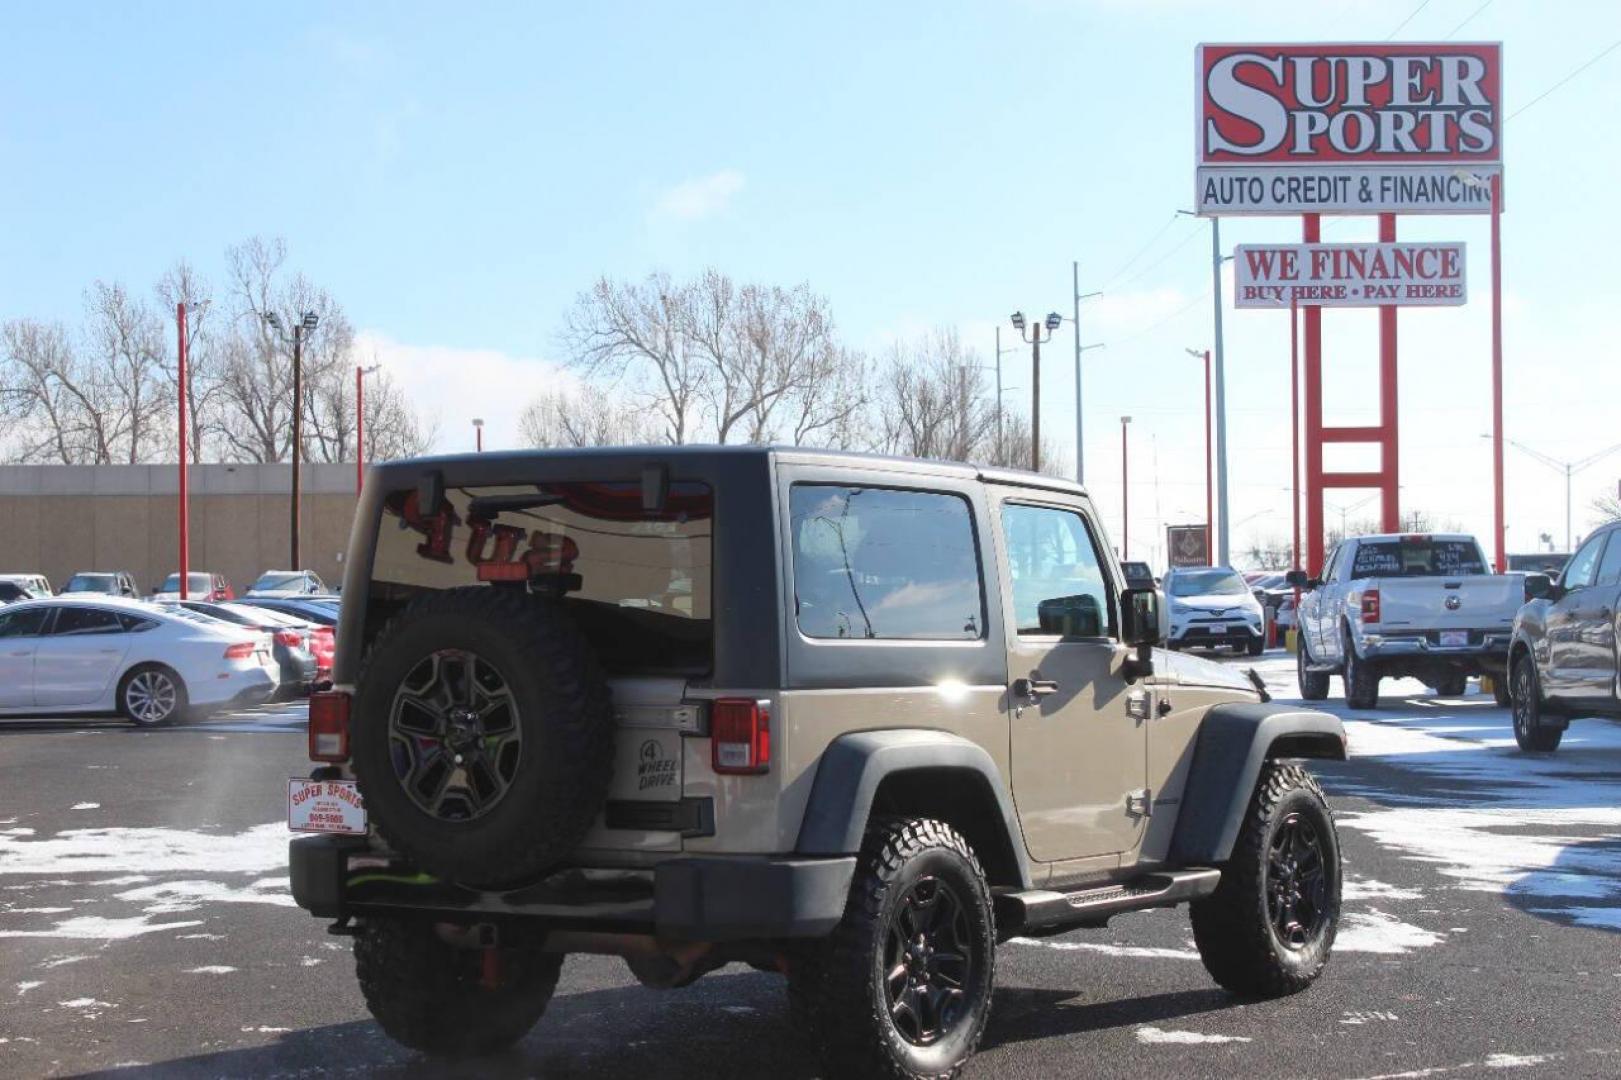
[1378, 932]
[1368, 889]
[85, 806]
[92, 927]
[169, 897]
[210, 969]
[1160, 1036]
[1137, 952]
[1518, 1061]
[258, 850]
[24, 987]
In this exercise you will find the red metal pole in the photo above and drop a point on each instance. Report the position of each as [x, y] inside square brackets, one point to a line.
[1294, 419]
[1499, 528]
[1209, 468]
[360, 428]
[185, 516]
[1125, 493]
[1388, 439]
[1311, 233]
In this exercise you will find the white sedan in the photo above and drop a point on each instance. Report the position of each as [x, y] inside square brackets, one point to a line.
[106, 655]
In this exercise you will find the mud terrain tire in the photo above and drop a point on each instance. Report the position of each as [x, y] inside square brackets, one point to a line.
[437, 998]
[1285, 865]
[483, 735]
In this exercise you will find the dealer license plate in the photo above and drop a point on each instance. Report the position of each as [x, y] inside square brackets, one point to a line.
[1454, 637]
[325, 806]
[1216, 628]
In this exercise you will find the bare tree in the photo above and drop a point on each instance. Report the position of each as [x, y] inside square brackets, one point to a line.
[932, 400]
[182, 284]
[42, 398]
[126, 359]
[559, 419]
[1608, 508]
[639, 334]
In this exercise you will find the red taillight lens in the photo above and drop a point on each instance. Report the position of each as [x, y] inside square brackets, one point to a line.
[1370, 606]
[740, 736]
[289, 638]
[329, 726]
[242, 650]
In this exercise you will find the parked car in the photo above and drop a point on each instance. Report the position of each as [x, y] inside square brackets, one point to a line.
[929, 720]
[1563, 660]
[1212, 607]
[1419, 605]
[200, 585]
[287, 583]
[90, 655]
[312, 609]
[293, 641]
[11, 593]
[102, 583]
[38, 585]
[1539, 562]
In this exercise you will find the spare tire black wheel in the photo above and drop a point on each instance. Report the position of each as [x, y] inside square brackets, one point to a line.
[483, 735]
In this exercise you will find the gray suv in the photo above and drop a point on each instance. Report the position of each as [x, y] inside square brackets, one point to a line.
[853, 719]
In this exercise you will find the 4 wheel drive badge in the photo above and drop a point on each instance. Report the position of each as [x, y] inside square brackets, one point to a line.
[1453, 603]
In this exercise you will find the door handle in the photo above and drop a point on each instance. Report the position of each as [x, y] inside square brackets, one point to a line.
[1033, 690]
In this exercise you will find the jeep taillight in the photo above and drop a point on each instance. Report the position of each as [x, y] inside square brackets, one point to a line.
[1370, 605]
[329, 726]
[740, 736]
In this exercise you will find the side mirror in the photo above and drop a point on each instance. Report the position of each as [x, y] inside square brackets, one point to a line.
[1299, 579]
[1140, 627]
[1539, 587]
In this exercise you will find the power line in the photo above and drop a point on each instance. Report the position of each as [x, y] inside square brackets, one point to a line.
[1399, 26]
[1157, 323]
[1141, 251]
[1470, 18]
[1602, 54]
[1159, 261]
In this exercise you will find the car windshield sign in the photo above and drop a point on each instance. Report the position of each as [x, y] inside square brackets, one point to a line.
[1418, 556]
[1208, 583]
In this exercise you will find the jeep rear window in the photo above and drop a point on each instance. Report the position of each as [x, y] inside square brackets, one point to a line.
[636, 582]
[881, 564]
[1417, 556]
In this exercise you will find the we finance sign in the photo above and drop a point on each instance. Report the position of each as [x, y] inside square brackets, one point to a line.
[1340, 129]
[1349, 275]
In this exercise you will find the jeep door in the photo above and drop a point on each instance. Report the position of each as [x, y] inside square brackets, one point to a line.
[1078, 731]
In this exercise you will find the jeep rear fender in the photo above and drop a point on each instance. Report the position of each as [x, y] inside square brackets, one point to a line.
[917, 772]
[1234, 742]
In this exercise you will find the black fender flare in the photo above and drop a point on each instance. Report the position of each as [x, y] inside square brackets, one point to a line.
[1235, 741]
[854, 766]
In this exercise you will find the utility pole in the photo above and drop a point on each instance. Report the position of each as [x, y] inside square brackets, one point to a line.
[1125, 492]
[1075, 321]
[1052, 322]
[1001, 446]
[360, 424]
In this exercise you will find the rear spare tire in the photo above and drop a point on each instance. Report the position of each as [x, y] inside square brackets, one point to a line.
[483, 735]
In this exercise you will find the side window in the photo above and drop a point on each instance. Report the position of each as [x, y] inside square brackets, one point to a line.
[134, 623]
[884, 564]
[74, 620]
[26, 623]
[1579, 572]
[1609, 567]
[1058, 582]
[1332, 564]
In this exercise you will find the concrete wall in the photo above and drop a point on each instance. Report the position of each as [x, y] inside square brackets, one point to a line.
[59, 519]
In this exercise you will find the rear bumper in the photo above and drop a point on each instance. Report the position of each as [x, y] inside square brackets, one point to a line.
[249, 686]
[695, 898]
[1490, 654]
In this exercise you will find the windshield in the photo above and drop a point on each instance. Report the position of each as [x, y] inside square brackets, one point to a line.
[1417, 556]
[91, 583]
[259, 616]
[1208, 583]
[280, 581]
[198, 583]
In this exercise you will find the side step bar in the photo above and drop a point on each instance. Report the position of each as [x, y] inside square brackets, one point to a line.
[1046, 910]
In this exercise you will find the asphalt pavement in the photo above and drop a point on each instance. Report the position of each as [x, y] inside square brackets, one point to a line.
[146, 929]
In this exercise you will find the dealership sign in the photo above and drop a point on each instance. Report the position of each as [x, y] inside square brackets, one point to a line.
[1348, 275]
[1386, 128]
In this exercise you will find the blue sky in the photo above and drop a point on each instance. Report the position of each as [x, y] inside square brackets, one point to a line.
[455, 174]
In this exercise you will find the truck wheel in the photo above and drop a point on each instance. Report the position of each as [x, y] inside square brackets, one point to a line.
[152, 696]
[483, 735]
[1529, 730]
[448, 1001]
[1361, 679]
[1313, 684]
[1269, 927]
[1452, 686]
[902, 987]
[1500, 691]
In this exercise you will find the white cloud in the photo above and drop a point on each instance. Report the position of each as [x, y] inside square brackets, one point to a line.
[700, 197]
[452, 386]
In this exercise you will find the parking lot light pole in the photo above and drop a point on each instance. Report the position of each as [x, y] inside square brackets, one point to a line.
[1209, 500]
[1075, 322]
[1052, 322]
[1569, 469]
[1125, 491]
[360, 424]
[478, 434]
[306, 323]
[185, 509]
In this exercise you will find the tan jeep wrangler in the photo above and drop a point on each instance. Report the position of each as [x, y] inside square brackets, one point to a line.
[854, 719]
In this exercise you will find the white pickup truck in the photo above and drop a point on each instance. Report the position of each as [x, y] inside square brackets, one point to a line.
[1423, 606]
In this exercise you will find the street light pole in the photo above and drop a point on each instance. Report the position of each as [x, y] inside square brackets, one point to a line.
[1209, 512]
[360, 424]
[1223, 537]
[478, 434]
[1569, 468]
[1052, 322]
[1125, 492]
[307, 322]
[185, 507]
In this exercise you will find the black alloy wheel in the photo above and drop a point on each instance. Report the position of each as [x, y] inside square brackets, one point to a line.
[1525, 693]
[454, 735]
[1297, 882]
[928, 960]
